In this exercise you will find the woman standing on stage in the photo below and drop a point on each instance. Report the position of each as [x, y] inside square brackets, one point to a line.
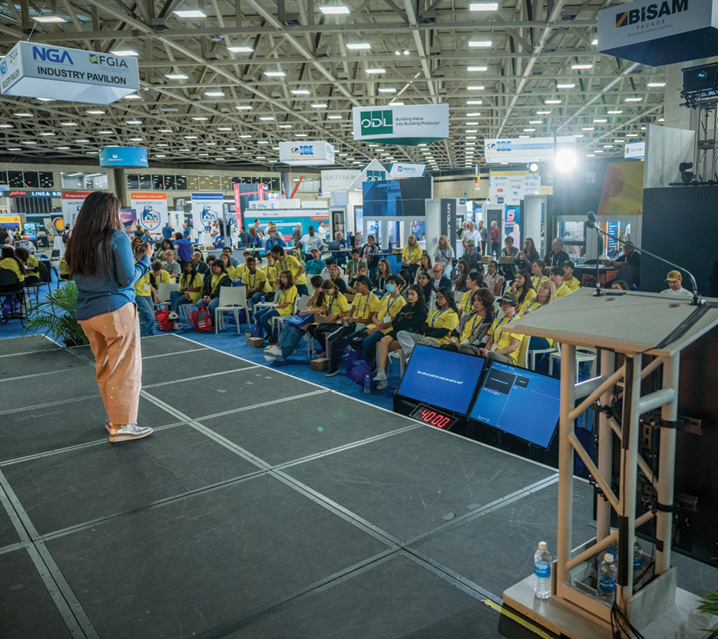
[100, 257]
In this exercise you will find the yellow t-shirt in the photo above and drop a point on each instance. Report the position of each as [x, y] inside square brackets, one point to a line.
[533, 305]
[292, 264]
[530, 297]
[471, 326]
[364, 306]
[337, 305]
[143, 286]
[10, 263]
[232, 272]
[388, 306]
[443, 319]
[573, 284]
[272, 275]
[562, 290]
[64, 270]
[215, 282]
[163, 277]
[239, 271]
[256, 281]
[465, 306]
[34, 267]
[502, 338]
[537, 280]
[287, 296]
[196, 282]
[409, 254]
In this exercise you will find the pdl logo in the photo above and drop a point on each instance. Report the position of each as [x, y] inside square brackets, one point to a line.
[51, 55]
[150, 219]
[375, 176]
[377, 122]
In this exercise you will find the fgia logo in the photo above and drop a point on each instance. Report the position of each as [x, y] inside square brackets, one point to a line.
[150, 219]
[59, 56]
[650, 12]
[107, 60]
[302, 151]
[377, 122]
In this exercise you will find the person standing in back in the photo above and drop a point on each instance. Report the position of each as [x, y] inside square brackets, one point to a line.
[100, 258]
[184, 250]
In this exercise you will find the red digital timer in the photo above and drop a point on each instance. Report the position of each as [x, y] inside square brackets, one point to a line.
[433, 417]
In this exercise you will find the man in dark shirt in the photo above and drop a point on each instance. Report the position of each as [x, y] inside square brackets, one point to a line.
[167, 231]
[630, 257]
[472, 256]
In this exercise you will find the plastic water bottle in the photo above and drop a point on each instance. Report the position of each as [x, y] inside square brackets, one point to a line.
[262, 299]
[542, 571]
[367, 384]
[606, 586]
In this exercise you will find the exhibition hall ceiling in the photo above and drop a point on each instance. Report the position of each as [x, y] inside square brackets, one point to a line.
[222, 83]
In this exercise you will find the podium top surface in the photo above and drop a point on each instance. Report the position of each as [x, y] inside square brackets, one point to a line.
[630, 323]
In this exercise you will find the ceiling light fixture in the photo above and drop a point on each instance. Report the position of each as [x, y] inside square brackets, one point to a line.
[243, 107]
[565, 86]
[299, 92]
[241, 49]
[275, 74]
[633, 99]
[479, 44]
[176, 76]
[214, 94]
[376, 70]
[190, 13]
[483, 6]
[48, 19]
[479, 68]
[334, 10]
[358, 46]
[387, 90]
[124, 53]
[656, 84]
[552, 101]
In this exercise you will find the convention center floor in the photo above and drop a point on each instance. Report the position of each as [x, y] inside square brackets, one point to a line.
[262, 506]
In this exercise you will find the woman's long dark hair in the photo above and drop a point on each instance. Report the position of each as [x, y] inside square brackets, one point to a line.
[528, 286]
[460, 280]
[450, 301]
[189, 277]
[98, 219]
[420, 294]
[8, 252]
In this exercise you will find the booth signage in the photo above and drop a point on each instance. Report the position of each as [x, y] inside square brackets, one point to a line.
[375, 170]
[526, 150]
[635, 151]
[510, 187]
[123, 156]
[658, 32]
[406, 125]
[151, 210]
[338, 179]
[285, 220]
[407, 170]
[72, 202]
[207, 208]
[306, 153]
[34, 193]
[42, 71]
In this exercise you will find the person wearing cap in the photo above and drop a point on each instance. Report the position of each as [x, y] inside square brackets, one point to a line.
[363, 306]
[352, 267]
[502, 345]
[316, 265]
[472, 256]
[568, 278]
[675, 285]
[556, 275]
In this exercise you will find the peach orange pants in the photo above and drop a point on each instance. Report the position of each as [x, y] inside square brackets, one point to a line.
[115, 343]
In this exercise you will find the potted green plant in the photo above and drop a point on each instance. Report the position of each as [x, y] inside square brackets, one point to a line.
[56, 315]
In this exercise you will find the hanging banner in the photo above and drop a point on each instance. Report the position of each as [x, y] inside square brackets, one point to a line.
[338, 180]
[306, 153]
[525, 150]
[513, 186]
[123, 156]
[406, 125]
[128, 217]
[400, 171]
[635, 151]
[11, 222]
[73, 75]
[151, 210]
[207, 208]
[72, 202]
[658, 32]
[374, 171]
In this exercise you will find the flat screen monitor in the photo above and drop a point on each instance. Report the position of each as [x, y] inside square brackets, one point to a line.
[441, 378]
[396, 198]
[519, 402]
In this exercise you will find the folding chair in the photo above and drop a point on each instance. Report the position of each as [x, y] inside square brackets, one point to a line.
[232, 299]
[10, 290]
[582, 355]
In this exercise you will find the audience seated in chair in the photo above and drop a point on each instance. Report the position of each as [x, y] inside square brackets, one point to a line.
[472, 332]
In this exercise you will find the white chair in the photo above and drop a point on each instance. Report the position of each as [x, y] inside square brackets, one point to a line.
[398, 355]
[582, 355]
[163, 294]
[538, 351]
[300, 304]
[232, 299]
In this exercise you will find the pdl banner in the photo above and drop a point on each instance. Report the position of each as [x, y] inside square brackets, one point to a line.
[151, 210]
[37, 70]
[72, 202]
[406, 125]
[207, 208]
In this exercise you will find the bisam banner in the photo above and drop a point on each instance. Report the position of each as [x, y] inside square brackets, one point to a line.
[658, 32]
[312, 153]
[405, 125]
[207, 208]
[72, 202]
[151, 210]
[73, 75]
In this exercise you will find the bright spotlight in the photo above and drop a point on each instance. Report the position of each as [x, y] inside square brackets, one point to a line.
[533, 167]
[565, 161]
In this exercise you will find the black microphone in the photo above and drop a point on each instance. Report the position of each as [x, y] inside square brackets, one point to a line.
[591, 223]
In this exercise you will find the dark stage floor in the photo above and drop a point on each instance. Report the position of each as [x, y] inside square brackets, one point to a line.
[263, 506]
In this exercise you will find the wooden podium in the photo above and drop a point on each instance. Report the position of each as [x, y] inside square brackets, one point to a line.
[635, 325]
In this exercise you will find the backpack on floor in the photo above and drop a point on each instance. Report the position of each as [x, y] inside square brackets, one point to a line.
[289, 340]
[163, 320]
[358, 367]
[202, 320]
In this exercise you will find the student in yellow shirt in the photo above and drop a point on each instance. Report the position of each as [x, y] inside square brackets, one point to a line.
[411, 256]
[437, 330]
[271, 284]
[537, 276]
[157, 277]
[329, 318]
[10, 261]
[64, 270]
[254, 279]
[190, 291]
[229, 269]
[474, 281]
[545, 295]
[556, 276]
[502, 345]
[30, 267]
[524, 290]
[471, 333]
[568, 278]
[362, 309]
[239, 270]
[284, 302]
[143, 295]
[290, 263]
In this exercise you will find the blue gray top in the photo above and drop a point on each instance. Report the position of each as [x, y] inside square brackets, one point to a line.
[106, 291]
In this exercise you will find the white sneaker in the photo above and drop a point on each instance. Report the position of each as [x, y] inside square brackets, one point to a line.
[274, 351]
[380, 374]
[127, 432]
[381, 384]
[173, 316]
[178, 326]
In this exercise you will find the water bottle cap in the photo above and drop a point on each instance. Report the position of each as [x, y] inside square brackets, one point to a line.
[608, 557]
[542, 545]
